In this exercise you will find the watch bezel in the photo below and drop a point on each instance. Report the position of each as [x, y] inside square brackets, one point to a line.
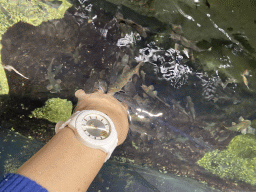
[78, 124]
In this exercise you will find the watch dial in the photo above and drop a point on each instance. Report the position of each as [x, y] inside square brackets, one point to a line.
[96, 126]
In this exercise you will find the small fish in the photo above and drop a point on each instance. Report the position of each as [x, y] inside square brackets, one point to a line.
[228, 81]
[142, 130]
[100, 85]
[177, 105]
[141, 30]
[118, 66]
[177, 29]
[241, 126]
[11, 68]
[190, 106]
[141, 101]
[124, 78]
[178, 38]
[150, 92]
[54, 85]
[143, 75]
[225, 98]
[245, 73]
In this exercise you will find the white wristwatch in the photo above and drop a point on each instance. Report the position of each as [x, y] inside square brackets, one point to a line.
[94, 129]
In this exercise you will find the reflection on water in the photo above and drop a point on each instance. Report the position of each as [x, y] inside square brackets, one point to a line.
[167, 64]
[182, 98]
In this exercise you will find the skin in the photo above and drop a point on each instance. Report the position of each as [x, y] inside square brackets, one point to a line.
[64, 164]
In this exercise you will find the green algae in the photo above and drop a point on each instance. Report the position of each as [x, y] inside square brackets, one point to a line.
[4, 88]
[55, 110]
[33, 12]
[254, 123]
[237, 162]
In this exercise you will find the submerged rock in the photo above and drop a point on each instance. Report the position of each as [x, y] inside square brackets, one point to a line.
[55, 110]
[236, 162]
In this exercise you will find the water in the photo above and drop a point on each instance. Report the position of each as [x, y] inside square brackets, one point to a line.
[188, 51]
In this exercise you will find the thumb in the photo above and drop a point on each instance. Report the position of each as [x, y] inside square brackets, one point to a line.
[80, 94]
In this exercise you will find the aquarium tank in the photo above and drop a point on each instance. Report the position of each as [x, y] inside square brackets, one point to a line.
[185, 69]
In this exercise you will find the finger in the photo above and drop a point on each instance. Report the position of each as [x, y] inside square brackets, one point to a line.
[80, 94]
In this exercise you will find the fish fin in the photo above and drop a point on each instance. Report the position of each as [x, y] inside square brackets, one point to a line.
[138, 66]
[244, 131]
[215, 99]
[151, 87]
[246, 72]
[144, 87]
[177, 47]
[142, 73]
[145, 95]
[134, 79]
[126, 69]
[177, 29]
[241, 118]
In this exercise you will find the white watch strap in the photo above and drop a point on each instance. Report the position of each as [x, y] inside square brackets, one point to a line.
[108, 149]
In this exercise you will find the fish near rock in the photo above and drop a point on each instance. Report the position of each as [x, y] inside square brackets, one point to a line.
[54, 85]
[228, 81]
[244, 126]
[124, 78]
[141, 30]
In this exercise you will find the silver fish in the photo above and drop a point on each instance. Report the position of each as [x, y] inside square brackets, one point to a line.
[150, 92]
[177, 105]
[124, 78]
[191, 108]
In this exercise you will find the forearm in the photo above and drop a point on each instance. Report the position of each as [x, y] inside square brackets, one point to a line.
[64, 164]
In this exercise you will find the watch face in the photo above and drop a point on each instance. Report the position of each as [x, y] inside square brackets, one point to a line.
[96, 126]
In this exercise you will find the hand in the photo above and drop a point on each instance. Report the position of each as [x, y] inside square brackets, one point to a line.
[107, 104]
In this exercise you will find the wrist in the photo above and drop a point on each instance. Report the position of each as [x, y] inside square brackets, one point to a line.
[64, 163]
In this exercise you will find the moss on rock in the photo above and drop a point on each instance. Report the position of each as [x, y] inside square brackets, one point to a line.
[55, 110]
[237, 162]
[254, 123]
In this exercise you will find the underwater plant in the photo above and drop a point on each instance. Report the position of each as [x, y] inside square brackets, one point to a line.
[237, 162]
